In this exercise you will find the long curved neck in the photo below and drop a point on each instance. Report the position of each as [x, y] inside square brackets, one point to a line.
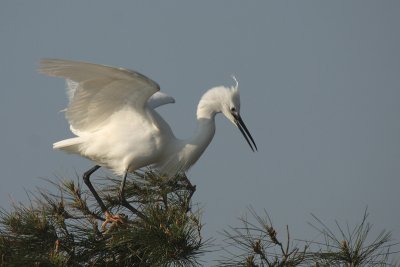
[196, 145]
[206, 112]
[204, 134]
[200, 141]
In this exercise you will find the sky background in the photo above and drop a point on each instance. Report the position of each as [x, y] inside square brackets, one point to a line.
[320, 93]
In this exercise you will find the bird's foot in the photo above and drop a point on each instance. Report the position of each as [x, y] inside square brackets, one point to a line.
[113, 220]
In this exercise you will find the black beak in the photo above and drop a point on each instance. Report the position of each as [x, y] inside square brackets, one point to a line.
[243, 129]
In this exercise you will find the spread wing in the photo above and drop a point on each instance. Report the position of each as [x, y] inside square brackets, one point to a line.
[97, 91]
[159, 99]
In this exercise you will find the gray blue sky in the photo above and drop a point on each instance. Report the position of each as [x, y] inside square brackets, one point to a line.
[320, 92]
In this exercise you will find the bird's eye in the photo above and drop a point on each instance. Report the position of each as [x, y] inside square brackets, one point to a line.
[233, 109]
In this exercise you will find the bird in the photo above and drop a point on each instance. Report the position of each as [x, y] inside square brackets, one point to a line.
[112, 113]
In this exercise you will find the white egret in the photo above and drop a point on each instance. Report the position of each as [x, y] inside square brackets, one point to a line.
[111, 112]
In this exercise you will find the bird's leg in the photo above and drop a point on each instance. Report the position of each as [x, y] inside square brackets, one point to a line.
[86, 179]
[123, 200]
[109, 217]
[191, 188]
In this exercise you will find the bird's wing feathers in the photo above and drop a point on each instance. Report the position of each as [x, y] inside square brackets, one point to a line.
[156, 100]
[97, 91]
[159, 99]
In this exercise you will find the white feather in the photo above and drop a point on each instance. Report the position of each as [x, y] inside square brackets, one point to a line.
[111, 110]
[159, 99]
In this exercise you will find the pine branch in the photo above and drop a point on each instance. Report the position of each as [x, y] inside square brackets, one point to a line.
[352, 247]
[63, 229]
[259, 244]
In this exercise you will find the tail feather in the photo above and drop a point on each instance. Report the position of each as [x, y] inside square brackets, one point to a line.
[69, 145]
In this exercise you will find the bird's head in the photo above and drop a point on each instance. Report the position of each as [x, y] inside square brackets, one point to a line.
[225, 100]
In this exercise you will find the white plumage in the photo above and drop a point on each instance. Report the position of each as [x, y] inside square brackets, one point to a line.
[112, 113]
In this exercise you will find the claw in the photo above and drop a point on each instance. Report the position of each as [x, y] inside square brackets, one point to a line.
[57, 246]
[113, 219]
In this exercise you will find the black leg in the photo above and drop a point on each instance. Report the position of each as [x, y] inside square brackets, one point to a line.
[122, 187]
[123, 200]
[191, 188]
[86, 179]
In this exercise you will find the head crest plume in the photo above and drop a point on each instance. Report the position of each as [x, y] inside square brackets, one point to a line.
[236, 87]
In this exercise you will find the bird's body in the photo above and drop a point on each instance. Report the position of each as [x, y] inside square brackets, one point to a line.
[112, 113]
[129, 141]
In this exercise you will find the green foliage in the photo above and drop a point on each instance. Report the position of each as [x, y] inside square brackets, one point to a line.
[64, 229]
[27, 237]
[258, 244]
[161, 228]
[352, 247]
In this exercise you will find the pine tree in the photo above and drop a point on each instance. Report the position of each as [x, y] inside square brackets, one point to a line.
[67, 228]
[257, 243]
[64, 229]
